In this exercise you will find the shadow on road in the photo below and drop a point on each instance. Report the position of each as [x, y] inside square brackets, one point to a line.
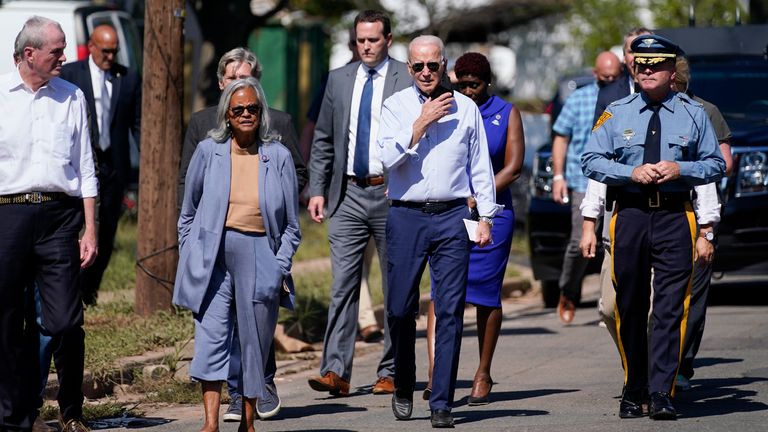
[741, 290]
[322, 408]
[711, 361]
[719, 396]
[476, 416]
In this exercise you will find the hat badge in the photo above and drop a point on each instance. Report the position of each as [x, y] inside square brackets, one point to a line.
[648, 42]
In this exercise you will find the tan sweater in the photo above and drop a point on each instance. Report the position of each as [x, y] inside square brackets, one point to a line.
[243, 213]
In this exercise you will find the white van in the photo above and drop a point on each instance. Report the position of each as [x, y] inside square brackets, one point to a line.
[77, 19]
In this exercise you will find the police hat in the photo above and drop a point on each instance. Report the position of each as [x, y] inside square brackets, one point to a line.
[653, 49]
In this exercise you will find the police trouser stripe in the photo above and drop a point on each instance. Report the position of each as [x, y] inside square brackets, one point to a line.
[691, 217]
[662, 240]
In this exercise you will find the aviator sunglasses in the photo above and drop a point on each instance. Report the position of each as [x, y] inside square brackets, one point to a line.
[239, 110]
[432, 66]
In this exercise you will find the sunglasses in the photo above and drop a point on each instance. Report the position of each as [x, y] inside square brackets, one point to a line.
[653, 67]
[432, 66]
[239, 110]
[464, 84]
[107, 51]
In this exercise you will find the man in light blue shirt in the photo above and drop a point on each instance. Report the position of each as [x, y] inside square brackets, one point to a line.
[434, 150]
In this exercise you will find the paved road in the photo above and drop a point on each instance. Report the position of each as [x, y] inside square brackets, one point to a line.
[548, 377]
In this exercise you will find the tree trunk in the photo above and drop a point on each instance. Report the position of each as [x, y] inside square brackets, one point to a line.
[160, 151]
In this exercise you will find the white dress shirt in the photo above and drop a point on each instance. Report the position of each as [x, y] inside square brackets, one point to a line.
[449, 161]
[97, 77]
[374, 164]
[44, 141]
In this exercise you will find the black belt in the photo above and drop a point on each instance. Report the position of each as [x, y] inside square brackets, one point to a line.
[32, 197]
[366, 181]
[652, 200]
[432, 207]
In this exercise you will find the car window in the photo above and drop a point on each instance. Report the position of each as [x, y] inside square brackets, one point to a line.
[130, 42]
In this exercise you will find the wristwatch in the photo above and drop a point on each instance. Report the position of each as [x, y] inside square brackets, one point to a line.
[486, 219]
[709, 236]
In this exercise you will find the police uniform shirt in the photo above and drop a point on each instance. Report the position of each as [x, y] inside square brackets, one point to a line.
[617, 143]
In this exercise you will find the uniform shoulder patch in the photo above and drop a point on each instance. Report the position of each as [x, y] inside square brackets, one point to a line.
[603, 118]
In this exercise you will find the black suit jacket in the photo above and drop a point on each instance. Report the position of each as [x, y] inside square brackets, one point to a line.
[204, 120]
[125, 115]
[612, 92]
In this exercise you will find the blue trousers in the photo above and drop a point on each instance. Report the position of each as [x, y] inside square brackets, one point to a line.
[662, 240]
[413, 238]
[247, 275]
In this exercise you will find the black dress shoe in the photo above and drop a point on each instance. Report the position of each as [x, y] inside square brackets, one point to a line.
[661, 407]
[631, 405]
[402, 407]
[441, 419]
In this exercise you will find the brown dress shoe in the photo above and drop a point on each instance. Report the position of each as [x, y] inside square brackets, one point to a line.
[384, 385]
[565, 310]
[74, 425]
[372, 333]
[331, 383]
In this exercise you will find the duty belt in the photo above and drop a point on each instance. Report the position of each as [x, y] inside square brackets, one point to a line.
[652, 200]
[432, 207]
[31, 197]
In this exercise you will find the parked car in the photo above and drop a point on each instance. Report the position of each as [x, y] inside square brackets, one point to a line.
[729, 67]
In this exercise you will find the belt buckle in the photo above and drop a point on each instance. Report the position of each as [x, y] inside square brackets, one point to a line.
[654, 203]
[34, 197]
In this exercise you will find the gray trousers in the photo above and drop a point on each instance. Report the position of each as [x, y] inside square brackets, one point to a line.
[361, 214]
[574, 264]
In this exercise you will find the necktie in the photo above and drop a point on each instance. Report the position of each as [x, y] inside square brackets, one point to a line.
[652, 153]
[362, 145]
[105, 107]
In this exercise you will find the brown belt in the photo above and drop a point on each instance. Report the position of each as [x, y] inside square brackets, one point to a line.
[32, 197]
[366, 181]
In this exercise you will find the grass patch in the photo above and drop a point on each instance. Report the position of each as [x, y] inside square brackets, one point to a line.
[113, 331]
[169, 390]
[314, 239]
[121, 272]
[93, 411]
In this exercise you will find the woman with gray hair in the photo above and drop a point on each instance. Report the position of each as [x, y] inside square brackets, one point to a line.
[238, 232]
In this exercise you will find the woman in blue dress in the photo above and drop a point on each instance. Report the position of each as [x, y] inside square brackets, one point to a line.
[504, 130]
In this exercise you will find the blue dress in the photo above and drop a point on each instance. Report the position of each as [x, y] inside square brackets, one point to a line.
[487, 265]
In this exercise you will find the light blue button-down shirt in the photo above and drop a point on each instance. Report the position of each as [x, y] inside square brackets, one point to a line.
[449, 161]
[617, 144]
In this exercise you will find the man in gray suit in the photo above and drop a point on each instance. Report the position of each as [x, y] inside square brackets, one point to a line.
[347, 175]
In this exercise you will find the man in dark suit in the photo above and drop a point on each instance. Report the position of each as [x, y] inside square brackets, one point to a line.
[235, 64]
[347, 176]
[113, 94]
[624, 85]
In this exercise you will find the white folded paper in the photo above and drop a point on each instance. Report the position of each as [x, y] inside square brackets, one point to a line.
[471, 227]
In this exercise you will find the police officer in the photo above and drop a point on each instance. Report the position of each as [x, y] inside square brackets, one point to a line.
[650, 148]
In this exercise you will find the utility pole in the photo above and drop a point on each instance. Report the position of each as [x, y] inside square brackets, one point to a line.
[161, 126]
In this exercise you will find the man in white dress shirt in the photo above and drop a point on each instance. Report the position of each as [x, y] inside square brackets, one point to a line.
[47, 190]
[432, 144]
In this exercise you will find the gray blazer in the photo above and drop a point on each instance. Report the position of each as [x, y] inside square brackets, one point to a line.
[204, 211]
[328, 160]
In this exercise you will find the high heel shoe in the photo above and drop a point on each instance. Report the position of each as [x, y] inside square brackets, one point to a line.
[481, 398]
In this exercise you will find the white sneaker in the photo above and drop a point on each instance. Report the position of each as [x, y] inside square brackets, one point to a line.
[682, 383]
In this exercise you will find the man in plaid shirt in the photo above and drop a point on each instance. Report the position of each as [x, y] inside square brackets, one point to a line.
[572, 130]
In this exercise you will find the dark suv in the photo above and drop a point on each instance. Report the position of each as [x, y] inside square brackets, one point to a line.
[729, 68]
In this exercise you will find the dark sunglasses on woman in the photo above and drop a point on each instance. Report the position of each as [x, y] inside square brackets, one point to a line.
[239, 110]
